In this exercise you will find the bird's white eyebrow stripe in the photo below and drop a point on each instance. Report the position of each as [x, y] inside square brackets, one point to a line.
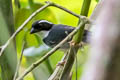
[44, 21]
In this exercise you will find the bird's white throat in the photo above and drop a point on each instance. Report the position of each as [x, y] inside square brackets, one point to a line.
[44, 33]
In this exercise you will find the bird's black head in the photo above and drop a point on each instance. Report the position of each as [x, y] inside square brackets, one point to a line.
[41, 25]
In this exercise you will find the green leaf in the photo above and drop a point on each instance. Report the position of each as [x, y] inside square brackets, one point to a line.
[8, 60]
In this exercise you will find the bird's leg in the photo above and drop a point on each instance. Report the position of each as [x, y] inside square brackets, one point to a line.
[72, 43]
[81, 44]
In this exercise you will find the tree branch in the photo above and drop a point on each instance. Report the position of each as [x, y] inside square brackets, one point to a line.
[18, 65]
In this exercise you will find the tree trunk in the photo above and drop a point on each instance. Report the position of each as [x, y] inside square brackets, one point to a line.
[104, 58]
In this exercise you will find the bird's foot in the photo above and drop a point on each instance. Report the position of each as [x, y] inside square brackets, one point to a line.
[72, 43]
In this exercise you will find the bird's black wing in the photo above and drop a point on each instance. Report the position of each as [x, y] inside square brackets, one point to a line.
[57, 34]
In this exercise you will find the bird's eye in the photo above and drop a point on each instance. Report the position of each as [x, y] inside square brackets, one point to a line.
[40, 24]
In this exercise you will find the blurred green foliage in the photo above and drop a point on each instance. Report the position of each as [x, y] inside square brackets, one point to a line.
[8, 60]
[34, 41]
[97, 0]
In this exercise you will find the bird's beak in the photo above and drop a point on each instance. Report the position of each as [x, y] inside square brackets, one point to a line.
[32, 31]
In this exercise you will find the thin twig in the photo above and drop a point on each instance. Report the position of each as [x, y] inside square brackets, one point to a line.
[62, 8]
[19, 62]
[70, 12]
[22, 26]
[34, 65]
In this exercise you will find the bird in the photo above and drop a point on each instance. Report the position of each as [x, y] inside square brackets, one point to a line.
[55, 33]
